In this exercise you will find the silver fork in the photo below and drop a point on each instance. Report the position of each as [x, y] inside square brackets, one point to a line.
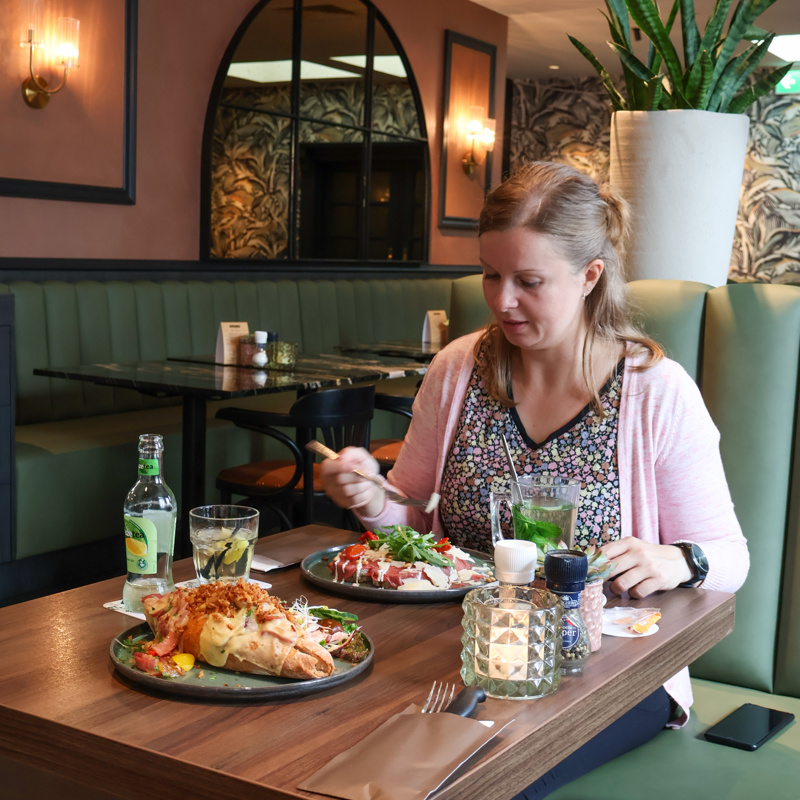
[317, 447]
[439, 698]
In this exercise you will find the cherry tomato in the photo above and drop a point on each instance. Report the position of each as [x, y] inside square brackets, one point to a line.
[443, 545]
[332, 625]
[354, 551]
[368, 536]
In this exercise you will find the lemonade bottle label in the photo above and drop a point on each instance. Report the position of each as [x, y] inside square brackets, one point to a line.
[148, 466]
[141, 545]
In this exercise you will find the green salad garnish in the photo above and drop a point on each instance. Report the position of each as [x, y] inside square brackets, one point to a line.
[405, 544]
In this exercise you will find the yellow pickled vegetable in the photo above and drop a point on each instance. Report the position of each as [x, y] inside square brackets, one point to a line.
[184, 660]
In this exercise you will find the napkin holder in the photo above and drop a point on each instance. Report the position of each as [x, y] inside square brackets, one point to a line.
[407, 758]
[228, 335]
[434, 328]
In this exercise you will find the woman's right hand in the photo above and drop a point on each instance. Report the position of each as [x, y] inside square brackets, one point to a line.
[349, 490]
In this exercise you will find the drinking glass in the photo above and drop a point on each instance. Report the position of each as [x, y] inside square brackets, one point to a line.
[543, 509]
[223, 539]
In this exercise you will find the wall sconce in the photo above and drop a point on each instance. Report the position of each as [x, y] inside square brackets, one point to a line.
[64, 51]
[480, 129]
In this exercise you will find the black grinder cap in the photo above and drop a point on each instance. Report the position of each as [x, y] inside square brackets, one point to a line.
[565, 570]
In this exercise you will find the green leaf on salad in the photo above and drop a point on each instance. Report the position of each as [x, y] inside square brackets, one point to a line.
[406, 544]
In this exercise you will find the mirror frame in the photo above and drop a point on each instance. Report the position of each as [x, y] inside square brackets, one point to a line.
[455, 84]
[85, 193]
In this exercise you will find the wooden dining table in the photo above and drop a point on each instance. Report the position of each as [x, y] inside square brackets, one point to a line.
[71, 725]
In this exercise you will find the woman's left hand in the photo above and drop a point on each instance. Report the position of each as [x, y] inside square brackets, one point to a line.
[643, 567]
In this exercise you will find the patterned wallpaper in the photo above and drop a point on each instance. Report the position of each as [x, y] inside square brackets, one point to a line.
[568, 121]
[250, 159]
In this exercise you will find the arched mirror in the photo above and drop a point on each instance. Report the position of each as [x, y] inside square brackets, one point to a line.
[315, 145]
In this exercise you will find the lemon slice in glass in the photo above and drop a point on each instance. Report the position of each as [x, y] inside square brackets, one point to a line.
[235, 551]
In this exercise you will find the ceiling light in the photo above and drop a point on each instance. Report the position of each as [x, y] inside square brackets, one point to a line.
[389, 65]
[281, 71]
[786, 48]
[553, 66]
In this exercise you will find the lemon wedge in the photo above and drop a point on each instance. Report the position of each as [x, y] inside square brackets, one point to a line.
[235, 551]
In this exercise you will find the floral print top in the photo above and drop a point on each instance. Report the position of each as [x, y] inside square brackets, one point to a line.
[584, 448]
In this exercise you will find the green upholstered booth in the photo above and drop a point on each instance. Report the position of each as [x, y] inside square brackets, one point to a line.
[76, 442]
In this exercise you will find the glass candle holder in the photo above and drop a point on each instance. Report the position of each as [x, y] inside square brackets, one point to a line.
[282, 355]
[512, 641]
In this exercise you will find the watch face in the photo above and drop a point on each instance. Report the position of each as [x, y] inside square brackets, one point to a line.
[700, 560]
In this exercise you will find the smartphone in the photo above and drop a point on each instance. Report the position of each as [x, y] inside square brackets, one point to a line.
[748, 727]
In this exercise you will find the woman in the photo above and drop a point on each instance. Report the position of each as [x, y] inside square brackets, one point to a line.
[578, 392]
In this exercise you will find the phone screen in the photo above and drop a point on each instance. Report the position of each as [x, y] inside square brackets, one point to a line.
[749, 726]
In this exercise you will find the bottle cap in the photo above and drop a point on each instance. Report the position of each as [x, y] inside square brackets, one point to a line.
[260, 337]
[272, 336]
[515, 561]
[565, 570]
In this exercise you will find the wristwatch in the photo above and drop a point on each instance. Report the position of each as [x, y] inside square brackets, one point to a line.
[697, 561]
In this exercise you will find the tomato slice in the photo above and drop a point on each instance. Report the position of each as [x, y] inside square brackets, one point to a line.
[354, 551]
[443, 545]
[367, 537]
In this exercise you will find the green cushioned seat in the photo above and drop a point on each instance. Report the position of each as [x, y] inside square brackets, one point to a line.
[682, 765]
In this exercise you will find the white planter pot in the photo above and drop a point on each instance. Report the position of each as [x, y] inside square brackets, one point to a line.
[681, 172]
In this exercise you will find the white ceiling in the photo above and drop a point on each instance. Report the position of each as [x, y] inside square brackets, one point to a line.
[537, 33]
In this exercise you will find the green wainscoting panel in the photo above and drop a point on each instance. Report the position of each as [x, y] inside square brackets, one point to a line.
[468, 309]
[177, 326]
[749, 380]
[671, 312]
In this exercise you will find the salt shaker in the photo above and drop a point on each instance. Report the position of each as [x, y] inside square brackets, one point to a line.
[260, 358]
[565, 575]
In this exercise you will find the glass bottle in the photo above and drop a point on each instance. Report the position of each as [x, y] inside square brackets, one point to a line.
[565, 575]
[150, 514]
[260, 358]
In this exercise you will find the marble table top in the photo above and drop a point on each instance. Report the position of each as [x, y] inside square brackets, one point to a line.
[173, 377]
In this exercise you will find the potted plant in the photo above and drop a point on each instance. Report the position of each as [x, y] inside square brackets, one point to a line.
[678, 134]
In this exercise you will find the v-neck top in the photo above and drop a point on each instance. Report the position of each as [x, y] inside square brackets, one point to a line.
[583, 448]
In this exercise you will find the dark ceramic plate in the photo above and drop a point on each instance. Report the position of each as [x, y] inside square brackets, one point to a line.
[219, 683]
[315, 569]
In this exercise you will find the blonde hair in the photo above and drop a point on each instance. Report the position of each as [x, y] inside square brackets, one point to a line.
[586, 223]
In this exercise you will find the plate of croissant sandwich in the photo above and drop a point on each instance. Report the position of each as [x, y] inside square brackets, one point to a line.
[222, 639]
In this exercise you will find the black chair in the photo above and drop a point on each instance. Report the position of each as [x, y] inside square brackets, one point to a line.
[337, 417]
[385, 451]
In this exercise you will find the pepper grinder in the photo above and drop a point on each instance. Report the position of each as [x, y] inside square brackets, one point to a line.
[565, 575]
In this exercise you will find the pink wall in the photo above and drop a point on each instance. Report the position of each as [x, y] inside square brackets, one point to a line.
[181, 43]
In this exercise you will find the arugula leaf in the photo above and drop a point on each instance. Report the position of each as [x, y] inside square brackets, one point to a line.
[405, 544]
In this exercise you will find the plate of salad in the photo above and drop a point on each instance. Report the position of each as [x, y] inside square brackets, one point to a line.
[397, 564]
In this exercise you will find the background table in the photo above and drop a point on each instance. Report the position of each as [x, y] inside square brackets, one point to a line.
[64, 709]
[416, 350]
[199, 381]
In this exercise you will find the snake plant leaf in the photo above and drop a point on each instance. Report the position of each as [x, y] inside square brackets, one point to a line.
[618, 11]
[690, 33]
[743, 17]
[618, 102]
[736, 72]
[653, 56]
[698, 82]
[758, 89]
[620, 37]
[645, 14]
[636, 77]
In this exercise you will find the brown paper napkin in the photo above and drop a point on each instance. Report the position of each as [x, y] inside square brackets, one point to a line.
[407, 758]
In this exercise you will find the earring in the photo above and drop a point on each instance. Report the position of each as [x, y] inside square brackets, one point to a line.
[585, 294]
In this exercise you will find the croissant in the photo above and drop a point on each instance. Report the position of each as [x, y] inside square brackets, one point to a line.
[238, 626]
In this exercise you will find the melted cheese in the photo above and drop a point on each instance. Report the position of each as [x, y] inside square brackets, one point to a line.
[265, 645]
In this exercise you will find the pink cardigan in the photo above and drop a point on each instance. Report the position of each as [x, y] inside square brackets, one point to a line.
[672, 484]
